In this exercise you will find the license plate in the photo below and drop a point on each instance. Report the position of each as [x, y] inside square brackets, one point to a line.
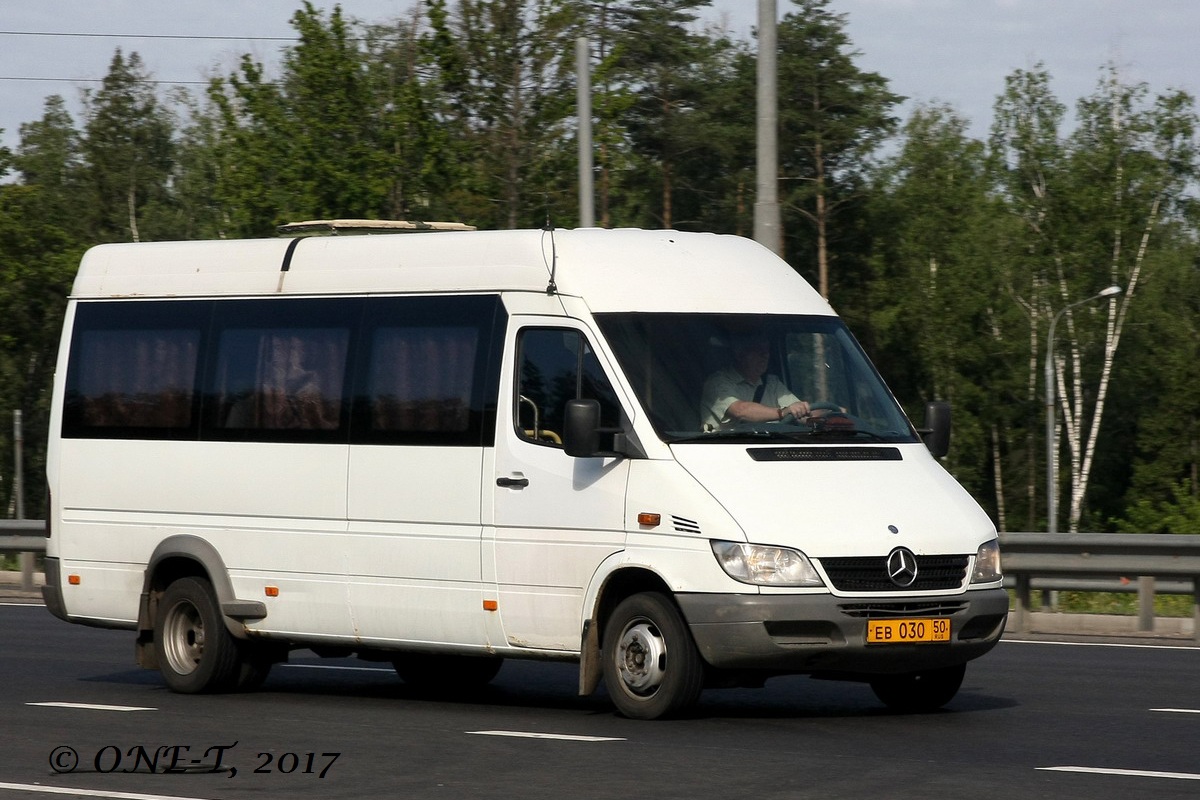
[908, 631]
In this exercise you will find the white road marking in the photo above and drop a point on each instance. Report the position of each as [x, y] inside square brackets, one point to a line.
[1131, 773]
[24, 605]
[560, 736]
[1106, 644]
[33, 787]
[1178, 710]
[92, 706]
[335, 666]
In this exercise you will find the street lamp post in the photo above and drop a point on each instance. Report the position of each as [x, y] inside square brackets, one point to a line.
[1051, 399]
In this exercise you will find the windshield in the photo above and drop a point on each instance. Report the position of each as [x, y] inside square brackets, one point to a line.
[739, 377]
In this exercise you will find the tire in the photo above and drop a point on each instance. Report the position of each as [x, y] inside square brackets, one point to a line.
[445, 672]
[651, 666]
[196, 653]
[919, 692]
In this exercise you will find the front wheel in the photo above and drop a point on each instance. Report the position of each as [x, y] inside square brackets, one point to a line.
[195, 651]
[917, 692]
[651, 666]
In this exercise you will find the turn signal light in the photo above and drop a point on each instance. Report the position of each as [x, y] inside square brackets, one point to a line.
[647, 518]
[74, 580]
[271, 591]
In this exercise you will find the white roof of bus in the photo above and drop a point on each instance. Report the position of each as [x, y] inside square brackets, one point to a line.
[613, 270]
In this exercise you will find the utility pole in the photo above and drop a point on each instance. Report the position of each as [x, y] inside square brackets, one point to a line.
[26, 559]
[583, 104]
[767, 227]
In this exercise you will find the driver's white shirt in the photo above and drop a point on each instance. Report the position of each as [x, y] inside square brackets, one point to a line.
[726, 386]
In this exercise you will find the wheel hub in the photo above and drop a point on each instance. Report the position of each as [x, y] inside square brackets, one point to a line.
[183, 637]
[642, 658]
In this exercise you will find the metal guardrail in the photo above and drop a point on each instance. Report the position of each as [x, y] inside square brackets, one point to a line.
[1069, 560]
[22, 536]
[27, 537]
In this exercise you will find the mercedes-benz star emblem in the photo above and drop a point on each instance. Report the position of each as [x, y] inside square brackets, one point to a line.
[902, 567]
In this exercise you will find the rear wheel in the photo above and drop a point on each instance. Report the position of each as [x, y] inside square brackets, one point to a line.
[916, 692]
[196, 653]
[443, 672]
[651, 666]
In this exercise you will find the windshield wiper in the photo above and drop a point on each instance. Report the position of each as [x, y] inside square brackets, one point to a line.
[752, 434]
[834, 433]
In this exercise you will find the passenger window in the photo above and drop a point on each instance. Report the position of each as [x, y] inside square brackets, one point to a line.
[428, 371]
[137, 379]
[280, 369]
[557, 365]
[282, 379]
[133, 370]
[421, 378]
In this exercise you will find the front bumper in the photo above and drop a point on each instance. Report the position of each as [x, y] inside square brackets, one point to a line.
[820, 633]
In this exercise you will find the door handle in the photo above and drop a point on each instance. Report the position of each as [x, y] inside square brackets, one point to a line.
[512, 483]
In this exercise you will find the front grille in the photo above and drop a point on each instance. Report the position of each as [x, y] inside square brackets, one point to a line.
[897, 610]
[869, 574]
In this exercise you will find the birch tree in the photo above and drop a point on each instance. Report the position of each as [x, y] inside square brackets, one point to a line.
[1026, 158]
[1091, 205]
[1131, 162]
[127, 150]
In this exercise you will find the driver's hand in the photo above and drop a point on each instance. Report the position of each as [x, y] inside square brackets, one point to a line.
[798, 409]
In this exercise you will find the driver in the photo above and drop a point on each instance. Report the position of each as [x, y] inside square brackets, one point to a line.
[743, 392]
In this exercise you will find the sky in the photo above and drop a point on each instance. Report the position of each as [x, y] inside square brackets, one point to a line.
[956, 52]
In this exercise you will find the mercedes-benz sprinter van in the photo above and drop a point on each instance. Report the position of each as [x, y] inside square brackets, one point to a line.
[660, 455]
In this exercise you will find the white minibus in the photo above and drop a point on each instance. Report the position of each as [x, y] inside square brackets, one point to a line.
[657, 454]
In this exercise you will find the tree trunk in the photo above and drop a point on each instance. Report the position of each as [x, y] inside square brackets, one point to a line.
[822, 223]
[1112, 338]
[998, 480]
[131, 200]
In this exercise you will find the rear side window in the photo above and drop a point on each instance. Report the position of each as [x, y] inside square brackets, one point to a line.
[134, 369]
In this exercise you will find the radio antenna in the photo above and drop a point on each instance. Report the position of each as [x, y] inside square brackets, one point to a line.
[552, 287]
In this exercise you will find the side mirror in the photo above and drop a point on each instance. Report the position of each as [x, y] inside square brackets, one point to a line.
[581, 431]
[936, 432]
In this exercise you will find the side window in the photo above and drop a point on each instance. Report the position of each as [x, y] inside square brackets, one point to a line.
[133, 369]
[429, 371]
[557, 365]
[419, 378]
[380, 370]
[280, 369]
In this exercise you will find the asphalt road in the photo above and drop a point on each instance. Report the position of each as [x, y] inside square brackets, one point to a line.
[1034, 719]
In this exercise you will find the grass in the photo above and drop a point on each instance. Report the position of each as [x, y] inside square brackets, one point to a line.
[1116, 603]
[12, 562]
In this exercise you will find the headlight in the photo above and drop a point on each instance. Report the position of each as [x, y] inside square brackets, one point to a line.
[987, 563]
[764, 565]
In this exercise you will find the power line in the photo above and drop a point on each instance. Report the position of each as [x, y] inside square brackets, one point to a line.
[98, 80]
[153, 36]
